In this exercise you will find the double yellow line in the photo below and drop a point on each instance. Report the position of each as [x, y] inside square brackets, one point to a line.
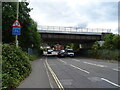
[54, 76]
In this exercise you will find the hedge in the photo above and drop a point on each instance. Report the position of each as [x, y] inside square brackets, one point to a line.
[105, 54]
[15, 66]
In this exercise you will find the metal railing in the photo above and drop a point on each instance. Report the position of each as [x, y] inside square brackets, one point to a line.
[72, 29]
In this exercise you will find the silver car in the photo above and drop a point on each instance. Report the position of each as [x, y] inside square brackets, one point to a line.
[69, 52]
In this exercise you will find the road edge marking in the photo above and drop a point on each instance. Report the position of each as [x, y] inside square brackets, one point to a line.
[48, 76]
[110, 82]
[54, 76]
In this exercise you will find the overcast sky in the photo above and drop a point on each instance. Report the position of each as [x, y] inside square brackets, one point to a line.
[83, 13]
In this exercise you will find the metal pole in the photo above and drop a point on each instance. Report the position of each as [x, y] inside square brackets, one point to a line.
[16, 37]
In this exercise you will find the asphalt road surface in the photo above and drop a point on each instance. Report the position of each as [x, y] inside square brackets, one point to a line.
[54, 72]
[85, 73]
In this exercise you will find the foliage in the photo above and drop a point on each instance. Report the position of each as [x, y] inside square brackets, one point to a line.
[105, 54]
[15, 66]
[116, 41]
[109, 54]
[110, 49]
[108, 41]
[95, 46]
[33, 57]
[74, 46]
[29, 35]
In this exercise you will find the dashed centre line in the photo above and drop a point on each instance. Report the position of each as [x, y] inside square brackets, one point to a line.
[91, 63]
[76, 60]
[110, 82]
[75, 67]
[115, 69]
[63, 61]
[80, 69]
[99, 65]
[95, 64]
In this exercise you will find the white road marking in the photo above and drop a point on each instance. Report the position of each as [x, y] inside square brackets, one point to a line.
[48, 76]
[95, 64]
[110, 82]
[63, 61]
[76, 60]
[54, 76]
[80, 69]
[115, 69]
[75, 66]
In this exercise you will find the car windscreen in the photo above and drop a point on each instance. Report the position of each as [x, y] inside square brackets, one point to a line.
[69, 50]
[62, 50]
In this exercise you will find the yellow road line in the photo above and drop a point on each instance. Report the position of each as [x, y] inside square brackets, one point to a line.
[54, 76]
[48, 76]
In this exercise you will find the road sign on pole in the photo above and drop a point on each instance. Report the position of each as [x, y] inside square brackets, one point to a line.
[16, 31]
[16, 24]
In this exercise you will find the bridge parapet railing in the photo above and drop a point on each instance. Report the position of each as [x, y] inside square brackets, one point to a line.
[72, 29]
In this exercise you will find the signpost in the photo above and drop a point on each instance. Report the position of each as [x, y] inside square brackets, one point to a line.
[16, 26]
[16, 31]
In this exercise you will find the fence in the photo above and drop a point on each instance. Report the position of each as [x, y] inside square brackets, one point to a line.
[71, 29]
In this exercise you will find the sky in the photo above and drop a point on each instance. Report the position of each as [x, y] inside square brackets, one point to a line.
[76, 13]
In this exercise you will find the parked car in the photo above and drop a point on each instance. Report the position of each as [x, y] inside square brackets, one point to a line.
[49, 52]
[61, 53]
[54, 53]
[69, 52]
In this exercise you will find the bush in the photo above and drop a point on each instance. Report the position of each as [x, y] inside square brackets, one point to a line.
[109, 54]
[15, 65]
[105, 54]
[33, 57]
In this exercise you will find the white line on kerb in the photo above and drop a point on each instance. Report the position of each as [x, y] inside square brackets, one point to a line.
[95, 64]
[80, 69]
[110, 82]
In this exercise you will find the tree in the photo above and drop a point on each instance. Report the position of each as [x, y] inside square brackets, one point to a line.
[8, 17]
[108, 41]
[116, 42]
[29, 34]
[96, 46]
[76, 46]
[32, 36]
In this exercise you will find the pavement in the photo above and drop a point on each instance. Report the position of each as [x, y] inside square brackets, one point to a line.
[39, 77]
[54, 72]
